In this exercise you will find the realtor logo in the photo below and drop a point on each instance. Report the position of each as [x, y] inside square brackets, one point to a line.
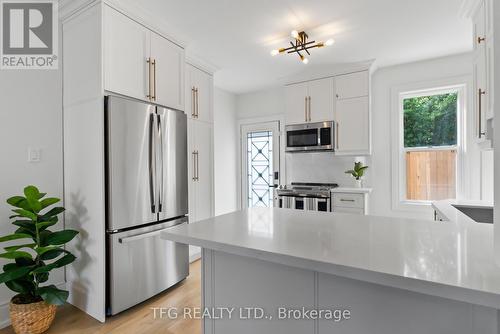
[29, 34]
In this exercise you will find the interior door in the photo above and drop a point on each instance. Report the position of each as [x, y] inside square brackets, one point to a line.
[126, 50]
[260, 147]
[321, 102]
[296, 103]
[172, 163]
[168, 71]
[130, 163]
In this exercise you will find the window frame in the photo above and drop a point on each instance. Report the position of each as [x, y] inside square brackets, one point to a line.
[399, 180]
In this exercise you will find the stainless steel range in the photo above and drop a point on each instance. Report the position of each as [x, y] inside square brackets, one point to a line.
[305, 196]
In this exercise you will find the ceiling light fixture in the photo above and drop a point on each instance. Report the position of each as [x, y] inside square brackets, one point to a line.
[301, 44]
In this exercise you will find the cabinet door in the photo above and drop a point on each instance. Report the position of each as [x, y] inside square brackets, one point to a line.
[190, 97]
[168, 72]
[192, 170]
[321, 102]
[126, 49]
[204, 84]
[351, 85]
[479, 25]
[296, 103]
[353, 126]
[204, 173]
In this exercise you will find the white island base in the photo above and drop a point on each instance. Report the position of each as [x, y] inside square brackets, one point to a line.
[233, 281]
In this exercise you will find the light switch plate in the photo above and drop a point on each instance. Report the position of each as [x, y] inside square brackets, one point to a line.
[34, 155]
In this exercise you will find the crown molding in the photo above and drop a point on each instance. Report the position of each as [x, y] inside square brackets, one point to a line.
[201, 64]
[132, 9]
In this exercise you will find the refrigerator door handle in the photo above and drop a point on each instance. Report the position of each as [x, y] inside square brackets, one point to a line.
[150, 164]
[160, 153]
[146, 235]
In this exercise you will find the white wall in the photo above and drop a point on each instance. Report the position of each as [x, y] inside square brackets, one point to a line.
[30, 116]
[324, 167]
[226, 141]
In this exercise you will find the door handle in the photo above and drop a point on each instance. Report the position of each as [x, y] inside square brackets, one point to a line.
[193, 102]
[194, 165]
[160, 150]
[154, 80]
[346, 200]
[480, 39]
[305, 108]
[480, 132]
[197, 103]
[149, 95]
[147, 234]
[151, 161]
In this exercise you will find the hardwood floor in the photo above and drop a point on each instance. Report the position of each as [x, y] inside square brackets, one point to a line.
[139, 319]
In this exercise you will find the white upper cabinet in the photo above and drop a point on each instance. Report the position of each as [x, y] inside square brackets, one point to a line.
[352, 85]
[321, 101]
[126, 50]
[479, 25]
[296, 103]
[310, 101]
[199, 94]
[168, 71]
[352, 114]
[140, 63]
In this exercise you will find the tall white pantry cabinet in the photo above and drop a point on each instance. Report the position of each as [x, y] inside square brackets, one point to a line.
[108, 50]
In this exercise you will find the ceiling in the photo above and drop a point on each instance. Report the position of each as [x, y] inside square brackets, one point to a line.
[237, 36]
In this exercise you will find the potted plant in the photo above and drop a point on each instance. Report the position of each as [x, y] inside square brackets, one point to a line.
[38, 251]
[357, 173]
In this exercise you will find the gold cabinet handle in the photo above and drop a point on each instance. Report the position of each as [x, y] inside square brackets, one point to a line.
[479, 113]
[197, 103]
[154, 79]
[194, 165]
[197, 166]
[193, 102]
[305, 108]
[480, 39]
[149, 95]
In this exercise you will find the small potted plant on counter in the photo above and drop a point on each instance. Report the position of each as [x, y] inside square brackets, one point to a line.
[357, 173]
[38, 251]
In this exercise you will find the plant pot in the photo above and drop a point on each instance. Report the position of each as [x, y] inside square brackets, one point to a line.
[358, 183]
[33, 318]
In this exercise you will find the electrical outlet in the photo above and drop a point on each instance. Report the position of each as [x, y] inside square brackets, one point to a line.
[34, 155]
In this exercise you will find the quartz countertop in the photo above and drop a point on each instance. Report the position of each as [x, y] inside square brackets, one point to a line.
[454, 261]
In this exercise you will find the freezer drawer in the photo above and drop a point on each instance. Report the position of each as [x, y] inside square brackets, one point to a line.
[143, 265]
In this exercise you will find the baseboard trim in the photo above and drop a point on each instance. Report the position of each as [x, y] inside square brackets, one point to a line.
[4, 309]
[195, 256]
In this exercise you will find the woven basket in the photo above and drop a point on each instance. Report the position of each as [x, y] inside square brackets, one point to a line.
[34, 318]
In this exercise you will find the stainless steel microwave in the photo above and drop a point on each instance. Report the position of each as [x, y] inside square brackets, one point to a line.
[310, 137]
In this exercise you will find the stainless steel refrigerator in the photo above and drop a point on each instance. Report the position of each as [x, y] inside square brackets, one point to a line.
[146, 193]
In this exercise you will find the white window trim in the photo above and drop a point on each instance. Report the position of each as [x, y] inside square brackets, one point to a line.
[398, 163]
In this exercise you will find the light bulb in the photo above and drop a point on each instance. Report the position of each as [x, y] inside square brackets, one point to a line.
[305, 60]
[295, 34]
[274, 52]
[329, 42]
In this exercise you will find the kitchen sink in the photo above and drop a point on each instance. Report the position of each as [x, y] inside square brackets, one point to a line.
[477, 213]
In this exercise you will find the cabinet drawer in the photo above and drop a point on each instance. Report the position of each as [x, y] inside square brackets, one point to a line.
[357, 211]
[347, 200]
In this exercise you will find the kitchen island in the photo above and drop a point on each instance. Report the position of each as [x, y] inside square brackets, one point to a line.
[382, 275]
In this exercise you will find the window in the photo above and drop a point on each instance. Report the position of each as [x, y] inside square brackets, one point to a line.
[429, 129]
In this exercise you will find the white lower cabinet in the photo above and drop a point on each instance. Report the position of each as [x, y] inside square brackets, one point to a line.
[200, 172]
[354, 201]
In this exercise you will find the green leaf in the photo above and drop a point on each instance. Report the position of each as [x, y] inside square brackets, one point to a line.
[14, 274]
[53, 212]
[43, 277]
[53, 295]
[31, 192]
[52, 253]
[28, 224]
[49, 201]
[60, 238]
[26, 214]
[65, 260]
[19, 202]
[43, 225]
[29, 232]
[21, 286]
[14, 248]
[25, 262]
[15, 254]
[15, 236]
